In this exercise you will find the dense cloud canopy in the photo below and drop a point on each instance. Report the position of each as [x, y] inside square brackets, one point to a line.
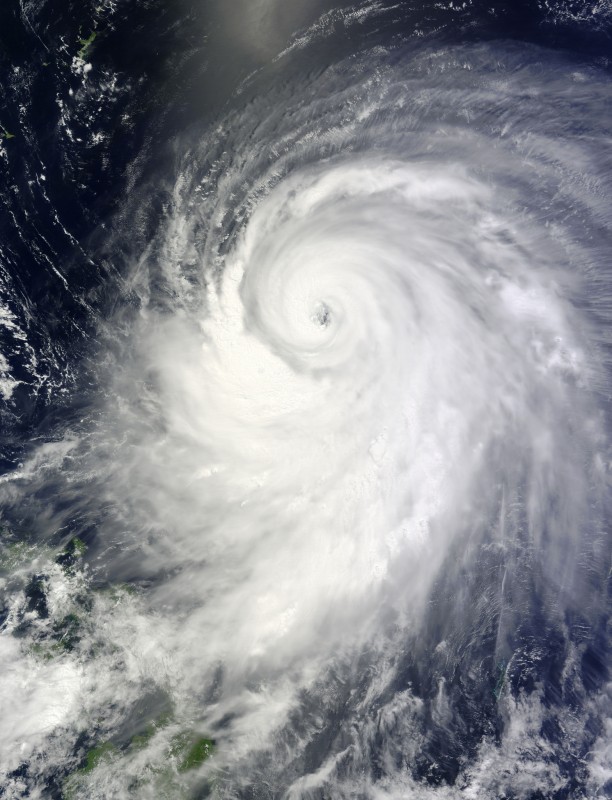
[306, 385]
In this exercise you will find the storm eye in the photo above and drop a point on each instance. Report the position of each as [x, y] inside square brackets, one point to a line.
[322, 315]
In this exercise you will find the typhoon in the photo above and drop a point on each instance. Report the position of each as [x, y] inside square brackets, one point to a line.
[306, 466]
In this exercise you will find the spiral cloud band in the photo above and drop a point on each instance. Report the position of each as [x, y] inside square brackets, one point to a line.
[354, 454]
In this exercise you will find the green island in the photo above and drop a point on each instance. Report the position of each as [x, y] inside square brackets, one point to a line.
[17, 554]
[86, 45]
[501, 679]
[72, 554]
[186, 751]
[103, 752]
[190, 750]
